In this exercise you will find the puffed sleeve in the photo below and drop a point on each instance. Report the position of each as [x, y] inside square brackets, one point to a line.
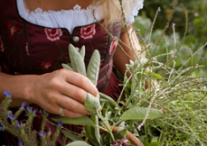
[135, 5]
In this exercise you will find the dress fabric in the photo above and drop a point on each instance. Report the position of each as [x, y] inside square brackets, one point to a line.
[31, 48]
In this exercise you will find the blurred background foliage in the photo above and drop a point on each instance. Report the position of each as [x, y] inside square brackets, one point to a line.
[196, 32]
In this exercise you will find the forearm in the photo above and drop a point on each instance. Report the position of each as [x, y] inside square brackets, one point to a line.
[128, 49]
[18, 86]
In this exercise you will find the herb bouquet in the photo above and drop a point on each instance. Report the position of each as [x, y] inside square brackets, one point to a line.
[107, 127]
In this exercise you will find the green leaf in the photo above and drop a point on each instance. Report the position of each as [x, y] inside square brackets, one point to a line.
[82, 52]
[121, 134]
[92, 103]
[78, 121]
[77, 62]
[66, 66]
[78, 143]
[109, 99]
[71, 136]
[94, 118]
[139, 113]
[93, 67]
[90, 133]
[157, 76]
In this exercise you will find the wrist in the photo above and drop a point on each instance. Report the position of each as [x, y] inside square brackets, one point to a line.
[30, 88]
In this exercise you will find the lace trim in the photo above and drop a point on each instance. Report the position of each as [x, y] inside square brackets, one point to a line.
[70, 19]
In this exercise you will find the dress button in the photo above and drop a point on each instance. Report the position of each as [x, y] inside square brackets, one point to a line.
[76, 39]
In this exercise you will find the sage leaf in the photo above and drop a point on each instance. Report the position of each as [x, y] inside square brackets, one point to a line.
[94, 118]
[90, 133]
[93, 67]
[78, 143]
[92, 103]
[77, 62]
[109, 99]
[71, 136]
[75, 121]
[66, 66]
[139, 113]
[82, 52]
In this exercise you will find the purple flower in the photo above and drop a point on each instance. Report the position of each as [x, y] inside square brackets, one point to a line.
[35, 111]
[7, 94]
[43, 112]
[20, 143]
[23, 104]
[28, 108]
[60, 124]
[42, 133]
[11, 116]
[1, 127]
[19, 124]
[118, 142]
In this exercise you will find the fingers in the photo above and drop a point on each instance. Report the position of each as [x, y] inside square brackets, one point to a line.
[71, 114]
[74, 92]
[72, 105]
[63, 89]
[66, 112]
[82, 82]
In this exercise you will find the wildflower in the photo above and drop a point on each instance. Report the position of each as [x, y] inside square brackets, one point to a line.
[1, 127]
[159, 9]
[23, 104]
[43, 112]
[28, 108]
[20, 143]
[35, 111]
[7, 94]
[19, 124]
[59, 124]
[11, 116]
[123, 142]
[41, 134]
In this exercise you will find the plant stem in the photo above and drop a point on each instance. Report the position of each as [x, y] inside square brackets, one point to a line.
[107, 126]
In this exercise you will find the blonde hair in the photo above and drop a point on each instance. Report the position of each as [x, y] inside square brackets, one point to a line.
[113, 10]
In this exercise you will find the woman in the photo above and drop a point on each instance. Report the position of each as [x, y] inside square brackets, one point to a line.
[34, 39]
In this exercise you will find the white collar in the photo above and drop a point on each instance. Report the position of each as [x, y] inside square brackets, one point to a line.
[68, 19]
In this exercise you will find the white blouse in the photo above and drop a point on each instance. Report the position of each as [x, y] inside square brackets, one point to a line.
[68, 19]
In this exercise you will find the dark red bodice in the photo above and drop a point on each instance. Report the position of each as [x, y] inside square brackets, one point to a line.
[27, 48]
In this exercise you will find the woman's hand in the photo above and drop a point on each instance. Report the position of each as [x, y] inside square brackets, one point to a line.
[62, 89]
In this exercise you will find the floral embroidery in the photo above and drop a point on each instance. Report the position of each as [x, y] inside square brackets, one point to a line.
[1, 45]
[53, 34]
[88, 31]
[12, 29]
[113, 46]
[26, 48]
[46, 65]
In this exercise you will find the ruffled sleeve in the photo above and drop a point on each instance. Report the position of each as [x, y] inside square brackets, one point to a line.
[136, 5]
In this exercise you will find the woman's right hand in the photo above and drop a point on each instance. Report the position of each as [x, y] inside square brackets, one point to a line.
[62, 89]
